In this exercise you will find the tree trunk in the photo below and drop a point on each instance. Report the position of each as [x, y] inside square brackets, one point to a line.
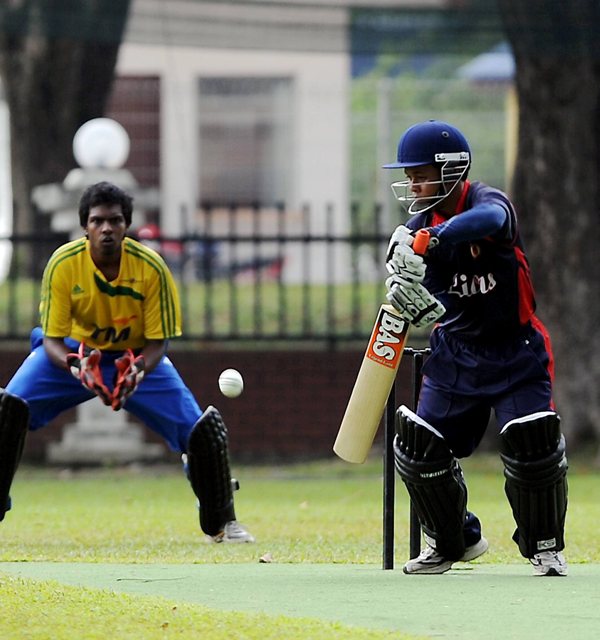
[556, 188]
[57, 62]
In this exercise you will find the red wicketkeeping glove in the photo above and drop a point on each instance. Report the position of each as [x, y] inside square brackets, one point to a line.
[130, 372]
[85, 366]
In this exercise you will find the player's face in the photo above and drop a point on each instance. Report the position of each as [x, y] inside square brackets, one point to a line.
[106, 229]
[424, 181]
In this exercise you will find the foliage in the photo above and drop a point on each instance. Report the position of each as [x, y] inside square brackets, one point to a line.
[57, 63]
[479, 111]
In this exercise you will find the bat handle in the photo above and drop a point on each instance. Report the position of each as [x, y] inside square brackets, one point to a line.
[421, 241]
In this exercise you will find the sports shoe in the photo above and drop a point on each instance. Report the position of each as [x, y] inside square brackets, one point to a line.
[549, 563]
[429, 561]
[232, 532]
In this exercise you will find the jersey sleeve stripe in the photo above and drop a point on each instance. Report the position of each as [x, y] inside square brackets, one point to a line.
[60, 255]
[167, 302]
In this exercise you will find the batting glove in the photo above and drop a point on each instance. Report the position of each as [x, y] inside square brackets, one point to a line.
[406, 265]
[402, 236]
[414, 304]
[85, 366]
[402, 261]
[130, 372]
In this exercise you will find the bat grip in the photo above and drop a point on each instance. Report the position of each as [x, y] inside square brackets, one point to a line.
[421, 241]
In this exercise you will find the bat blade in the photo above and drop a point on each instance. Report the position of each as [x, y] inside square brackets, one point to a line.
[372, 387]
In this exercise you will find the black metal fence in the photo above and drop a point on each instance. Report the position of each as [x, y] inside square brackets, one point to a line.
[247, 274]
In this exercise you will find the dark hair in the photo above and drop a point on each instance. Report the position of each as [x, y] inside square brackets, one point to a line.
[104, 193]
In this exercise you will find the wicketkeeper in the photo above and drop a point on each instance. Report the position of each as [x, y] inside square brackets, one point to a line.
[489, 352]
[108, 308]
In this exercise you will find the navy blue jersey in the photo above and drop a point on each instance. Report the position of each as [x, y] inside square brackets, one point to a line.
[483, 281]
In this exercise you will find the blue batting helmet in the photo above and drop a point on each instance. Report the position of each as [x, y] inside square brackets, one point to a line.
[428, 143]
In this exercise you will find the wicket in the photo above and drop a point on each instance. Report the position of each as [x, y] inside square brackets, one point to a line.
[389, 472]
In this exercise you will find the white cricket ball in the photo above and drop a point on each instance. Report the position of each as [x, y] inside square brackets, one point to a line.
[231, 383]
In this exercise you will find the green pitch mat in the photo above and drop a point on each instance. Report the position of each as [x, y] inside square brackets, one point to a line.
[470, 602]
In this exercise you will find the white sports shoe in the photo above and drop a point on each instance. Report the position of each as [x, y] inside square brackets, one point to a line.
[232, 532]
[429, 561]
[549, 563]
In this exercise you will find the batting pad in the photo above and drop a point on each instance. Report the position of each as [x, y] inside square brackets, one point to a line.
[434, 481]
[209, 474]
[14, 422]
[535, 471]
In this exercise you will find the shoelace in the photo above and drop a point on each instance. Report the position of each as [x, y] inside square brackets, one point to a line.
[428, 553]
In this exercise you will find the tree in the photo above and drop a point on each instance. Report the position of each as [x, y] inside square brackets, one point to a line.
[57, 60]
[556, 186]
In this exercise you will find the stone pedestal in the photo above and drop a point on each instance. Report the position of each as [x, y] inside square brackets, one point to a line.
[102, 436]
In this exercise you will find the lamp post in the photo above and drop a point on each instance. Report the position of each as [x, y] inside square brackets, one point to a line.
[101, 148]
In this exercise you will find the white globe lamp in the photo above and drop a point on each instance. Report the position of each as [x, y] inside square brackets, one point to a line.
[101, 143]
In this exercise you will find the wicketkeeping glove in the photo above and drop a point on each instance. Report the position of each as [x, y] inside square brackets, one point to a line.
[85, 366]
[414, 303]
[130, 372]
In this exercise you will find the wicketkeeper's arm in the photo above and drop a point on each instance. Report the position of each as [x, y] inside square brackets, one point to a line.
[57, 351]
[153, 352]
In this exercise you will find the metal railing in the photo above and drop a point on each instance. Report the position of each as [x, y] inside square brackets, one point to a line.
[247, 275]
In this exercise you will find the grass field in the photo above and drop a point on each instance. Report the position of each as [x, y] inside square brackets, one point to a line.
[319, 513]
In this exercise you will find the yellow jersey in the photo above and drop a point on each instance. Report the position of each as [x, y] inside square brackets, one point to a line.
[77, 301]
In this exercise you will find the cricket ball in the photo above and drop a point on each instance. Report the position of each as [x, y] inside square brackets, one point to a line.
[231, 383]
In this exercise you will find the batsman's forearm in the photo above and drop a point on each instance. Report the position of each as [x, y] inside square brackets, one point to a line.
[476, 223]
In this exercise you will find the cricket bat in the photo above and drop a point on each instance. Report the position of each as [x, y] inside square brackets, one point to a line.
[375, 378]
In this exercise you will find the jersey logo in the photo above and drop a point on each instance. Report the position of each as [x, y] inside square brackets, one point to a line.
[110, 334]
[76, 290]
[466, 286]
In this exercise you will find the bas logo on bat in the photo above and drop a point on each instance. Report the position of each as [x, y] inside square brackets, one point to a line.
[387, 340]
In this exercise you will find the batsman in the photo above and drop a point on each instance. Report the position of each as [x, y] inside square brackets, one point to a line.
[489, 352]
[108, 308]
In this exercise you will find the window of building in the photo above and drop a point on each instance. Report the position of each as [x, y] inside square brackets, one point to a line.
[245, 140]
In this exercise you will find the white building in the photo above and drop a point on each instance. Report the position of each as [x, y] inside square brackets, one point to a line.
[253, 103]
